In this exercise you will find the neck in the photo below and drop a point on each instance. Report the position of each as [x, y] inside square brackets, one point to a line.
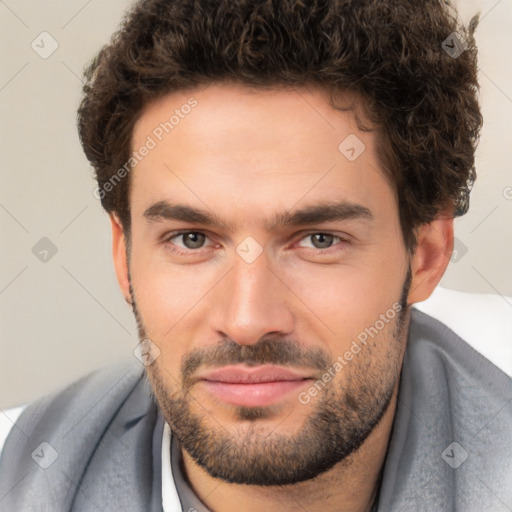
[350, 486]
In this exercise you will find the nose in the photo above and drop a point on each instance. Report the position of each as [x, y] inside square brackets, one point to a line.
[251, 302]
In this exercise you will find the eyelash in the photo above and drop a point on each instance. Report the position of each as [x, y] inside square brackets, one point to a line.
[168, 237]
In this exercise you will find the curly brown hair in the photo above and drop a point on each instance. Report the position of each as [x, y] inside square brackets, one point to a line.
[393, 54]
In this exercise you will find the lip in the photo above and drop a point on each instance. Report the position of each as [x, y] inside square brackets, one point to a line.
[253, 386]
[241, 374]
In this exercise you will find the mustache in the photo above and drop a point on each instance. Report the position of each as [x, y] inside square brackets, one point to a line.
[269, 350]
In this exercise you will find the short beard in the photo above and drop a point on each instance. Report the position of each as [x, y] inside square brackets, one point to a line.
[342, 420]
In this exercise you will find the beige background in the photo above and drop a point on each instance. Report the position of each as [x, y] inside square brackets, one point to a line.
[61, 318]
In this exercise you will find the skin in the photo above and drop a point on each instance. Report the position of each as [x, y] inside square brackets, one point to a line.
[245, 155]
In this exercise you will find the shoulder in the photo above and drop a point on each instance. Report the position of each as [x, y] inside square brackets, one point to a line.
[444, 360]
[483, 321]
[109, 384]
[96, 433]
[453, 417]
[463, 343]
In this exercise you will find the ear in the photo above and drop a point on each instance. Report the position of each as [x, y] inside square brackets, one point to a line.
[431, 257]
[119, 256]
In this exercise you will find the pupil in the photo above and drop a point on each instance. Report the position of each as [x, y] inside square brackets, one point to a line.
[194, 239]
[323, 238]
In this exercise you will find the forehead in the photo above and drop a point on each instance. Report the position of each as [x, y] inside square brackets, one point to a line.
[261, 149]
[249, 115]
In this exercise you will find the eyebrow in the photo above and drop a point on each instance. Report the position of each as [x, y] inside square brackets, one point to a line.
[324, 212]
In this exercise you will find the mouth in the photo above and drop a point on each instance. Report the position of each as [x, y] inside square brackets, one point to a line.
[253, 386]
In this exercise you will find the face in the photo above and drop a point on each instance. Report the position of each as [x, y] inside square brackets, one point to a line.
[268, 267]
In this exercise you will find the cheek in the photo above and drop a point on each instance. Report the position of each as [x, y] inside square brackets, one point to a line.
[163, 292]
[165, 302]
[342, 302]
[172, 298]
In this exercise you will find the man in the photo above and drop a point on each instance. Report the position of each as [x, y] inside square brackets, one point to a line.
[281, 180]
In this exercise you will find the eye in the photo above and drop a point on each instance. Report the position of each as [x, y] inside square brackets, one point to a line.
[190, 241]
[321, 240]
